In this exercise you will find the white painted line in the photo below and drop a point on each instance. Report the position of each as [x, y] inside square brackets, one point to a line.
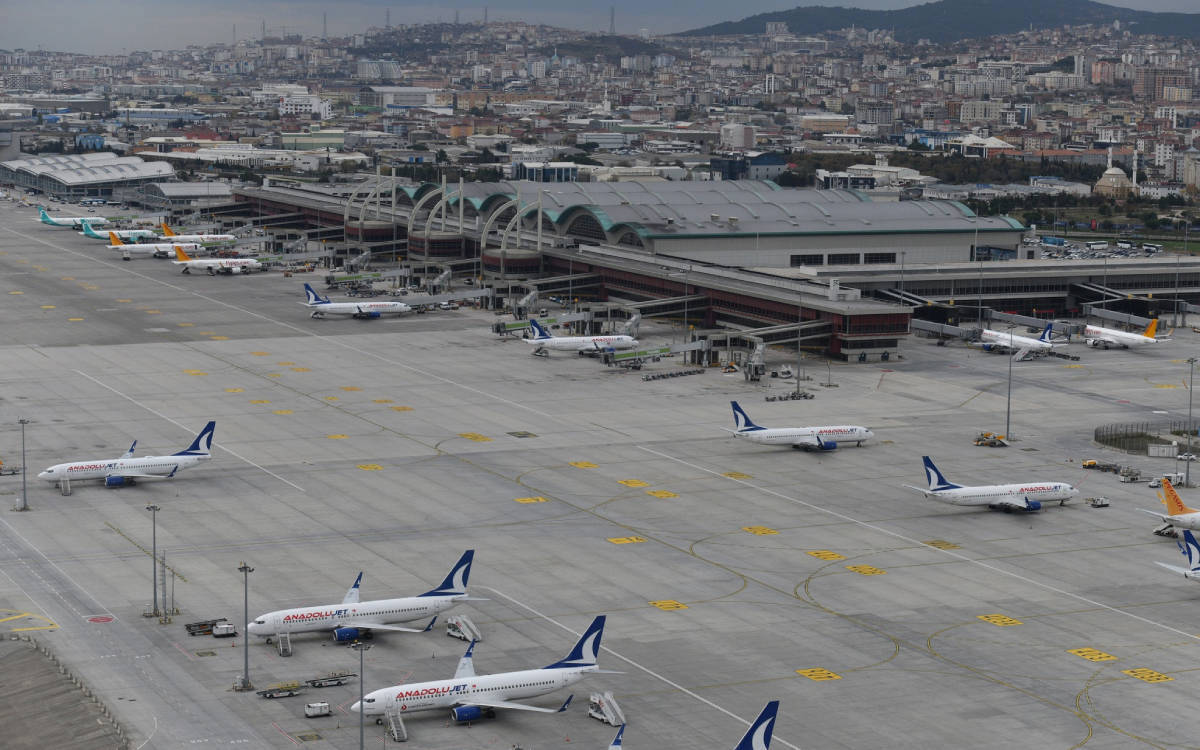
[160, 415]
[52, 564]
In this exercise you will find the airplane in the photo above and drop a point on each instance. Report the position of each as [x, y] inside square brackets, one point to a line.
[757, 737]
[543, 342]
[68, 221]
[824, 438]
[127, 470]
[322, 306]
[1177, 513]
[126, 235]
[215, 265]
[469, 696]
[1191, 550]
[157, 249]
[1027, 497]
[616, 743]
[351, 619]
[1022, 344]
[1106, 337]
[203, 239]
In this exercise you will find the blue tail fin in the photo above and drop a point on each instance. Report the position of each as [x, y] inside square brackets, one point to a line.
[758, 737]
[352, 594]
[202, 445]
[616, 743]
[937, 482]
[585, 651]
[741, 420]
[456, 582]
[313, 298]
[1191, 550]
[1047, 332]
[538, 331]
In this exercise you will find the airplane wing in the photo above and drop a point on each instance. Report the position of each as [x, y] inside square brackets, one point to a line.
[1024, 505]
[466, 665]
[492, 703]
[813, 440]
[1176, 569]
[922, 490]
[397, 628]
[139, 475]
[1164, 518]
[1020, 355]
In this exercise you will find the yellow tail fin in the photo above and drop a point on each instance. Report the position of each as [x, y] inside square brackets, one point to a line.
[167, 230]
[1172, 500]
[180, 254]
[113, 238]
[1151, 330]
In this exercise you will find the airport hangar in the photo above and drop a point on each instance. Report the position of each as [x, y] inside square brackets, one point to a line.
[726, 255]
[75, 176]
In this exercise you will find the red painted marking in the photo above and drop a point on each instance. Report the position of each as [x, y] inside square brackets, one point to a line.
[285, 734]
[1123, 401]
[101, 618]
[886, 370]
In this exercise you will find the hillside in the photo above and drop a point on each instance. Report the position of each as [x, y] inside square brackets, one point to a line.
[951, 20]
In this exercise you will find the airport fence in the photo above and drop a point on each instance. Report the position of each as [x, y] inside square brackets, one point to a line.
[1134, 437]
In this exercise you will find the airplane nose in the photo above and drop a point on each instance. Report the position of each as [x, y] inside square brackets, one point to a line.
[355, 708]
[47, 474]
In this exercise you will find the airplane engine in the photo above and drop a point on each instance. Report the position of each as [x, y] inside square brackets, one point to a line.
[1092, 342]
[470, 713]
[345, 635]
[116, 482]
[366, 315]
[830, 446]
[1033, 505]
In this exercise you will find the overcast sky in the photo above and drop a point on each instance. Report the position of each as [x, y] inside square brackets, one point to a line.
[109, 26]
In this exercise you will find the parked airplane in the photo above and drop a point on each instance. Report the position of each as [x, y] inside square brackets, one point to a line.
[1191, 550]
[1107, 337]
[127, 470]
[616, 743]
[469, 696]
[68, 221]
[544, 343]
[350, 619]
[1021, 344]
[758, 737]
[157, 249]
[322, 306]
[203, 239]
[215, 265]
[1177, 513]
[125, 235]
[824, 438]
[1006, 497]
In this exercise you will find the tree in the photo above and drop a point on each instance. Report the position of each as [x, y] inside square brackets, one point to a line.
[441, 157]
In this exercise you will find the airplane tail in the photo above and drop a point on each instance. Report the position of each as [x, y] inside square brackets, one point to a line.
[1191, 550]
[741, 420]
[180, 255]
[112, 236]
[758, 736]
[129, 453]
[538, 331]
[167, 231]
[44, 216]
[616, 743]
[1151, 330]
[456, 582]
[1171, 499]
[312, 297]
[1047, 333]
[586, 650]
[202, 445]
[936, 480]
[89, 232]
[351, 596]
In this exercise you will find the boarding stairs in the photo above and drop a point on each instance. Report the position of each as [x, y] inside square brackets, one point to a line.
[604, 707]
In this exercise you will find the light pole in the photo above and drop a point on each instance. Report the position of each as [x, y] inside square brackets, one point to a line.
[1008, 405]
[361, 648]
[1187, 464]
[902, 254]
[245, 570]
[23, 503]
[154, 509]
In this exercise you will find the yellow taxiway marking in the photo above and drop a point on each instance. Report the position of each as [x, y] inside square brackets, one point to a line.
[49, 307]
[285, 364]
[401, 408]
[819, 674]
[301, 369]
[1091, 654]
[669, 604]
[1000, 620]
[1165, 385]
[351, 388]
[331, 398]
[235, 390]
[633, 483]
[283, 411]
[68, 278]
[219, 338]
[370, 467]
[55, 627]
[207, 333]
[261, 354]
[583, 465]
[16, 292]
[153, 312]
[381, 401]
[260, 401]
[626, 539]
[124, 300]
[74, 320]
[274, 375]
[865, 570]
[337, 437]
[40, 268]
[825, 554]
[941, 544]
[661, 493]
[195, 372]
[527, 500]
[736, 475]
[185, 325]
[14, 617]
[90, 287]
[1073, 367]
[1147, 675]
[475, 436]
[759, 530]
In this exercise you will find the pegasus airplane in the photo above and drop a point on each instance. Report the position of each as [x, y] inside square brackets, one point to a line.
[125, 235]
[68, 221]
[543, 342]
[825, 438]
[1177, 514]
[214, 265]
[1109, 337]
[322, 306]
[1022, 344]
[203, 239]
[127, 470]
[157, 249]
[1026, 497]
[469, 696]
[350, 619]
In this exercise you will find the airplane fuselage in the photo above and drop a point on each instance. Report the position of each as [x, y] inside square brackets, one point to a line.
[204, 239]
[803, 436]
[131, 235]
[1001, 338]
[221, 265]
[330, 616]
[444, 694]
[1106, 337]
[1005, 493]
[581, 343]
[152, 465]
[359, 309]
[158, 249]
[73, 221]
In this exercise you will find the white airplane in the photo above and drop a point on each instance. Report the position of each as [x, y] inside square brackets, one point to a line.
[214, 265]
[123, 234]
[1026, 497]
[127, 470]
[1177, 513]
[68, 221]
[1191, 550]
[757, 737]
[469, 696]
[1107, 337]
[203, 239]
[350, 619]
[157, 249]
[824, 438]
[1022, 344]
[322, 306]
[543, 342]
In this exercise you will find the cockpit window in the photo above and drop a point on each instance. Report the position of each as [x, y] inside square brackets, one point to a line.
[368, 700]
[260, 622]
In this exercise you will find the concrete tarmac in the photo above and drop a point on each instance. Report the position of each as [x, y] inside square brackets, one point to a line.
[732, 574]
